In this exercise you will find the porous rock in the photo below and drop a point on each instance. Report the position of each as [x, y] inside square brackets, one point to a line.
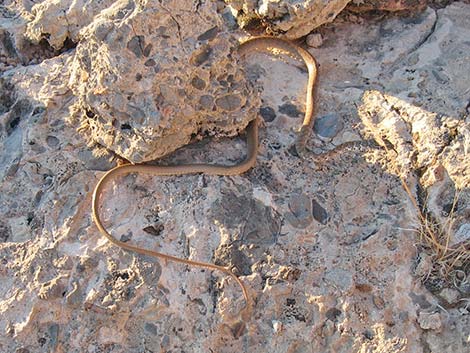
[342, 281]
[151, 77]
[292, 18]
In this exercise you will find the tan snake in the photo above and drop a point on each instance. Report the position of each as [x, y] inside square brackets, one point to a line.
[253, 44]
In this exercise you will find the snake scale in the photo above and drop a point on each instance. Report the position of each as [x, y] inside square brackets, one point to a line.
[253, 44]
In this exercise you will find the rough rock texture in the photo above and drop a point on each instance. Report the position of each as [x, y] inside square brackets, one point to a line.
[387, 5]
[149, 77]
[328, 245]
[152, 77]
[292, 18]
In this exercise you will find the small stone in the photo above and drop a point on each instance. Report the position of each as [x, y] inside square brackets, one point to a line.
[314, 40]
[155, 229]
[290, 110]
[209, 34]
[52, 141]
[328, 125]
[207, 102]
[430, 321]
[368, 334]
[267, 113]
[319, 213]
[229, 102]
[378, 302]
[300, 207]
[201, 55]
[198, 83]
[150, 62]
[135, 45]
[333, 313]
[450, 295]
[151, 328]
[126, 237]
[277, 326]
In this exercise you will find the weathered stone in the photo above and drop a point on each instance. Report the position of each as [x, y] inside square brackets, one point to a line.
[450, 295]
[300, 213]
[153, 83]
[387, 5]
[294, 18]
[350, 270]
[430, 321]
[314, 40]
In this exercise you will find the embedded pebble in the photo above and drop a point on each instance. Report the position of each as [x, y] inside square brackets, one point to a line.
[52, 141]
[268, 114]
[328, 125]
[300, 213]
[285, 226]
[290, 110]
[319, 213]
[230, 102]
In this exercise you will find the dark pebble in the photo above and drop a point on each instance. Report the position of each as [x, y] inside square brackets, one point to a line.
[328, 125]
[198, 83]
[229, 102]
[209, 34]
[267, 113]
[135, 45]
[207, 102]
[300, 211]
[319, 213]
[333, 314]
[52, 141]
[289, 109]
[151, 328]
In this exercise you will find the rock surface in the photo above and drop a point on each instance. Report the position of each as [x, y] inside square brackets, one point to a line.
[150, 78]
[295, 19]
[327, 245]
[292, 18]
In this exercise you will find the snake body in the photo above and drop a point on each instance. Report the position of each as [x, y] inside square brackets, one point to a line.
[253, 44]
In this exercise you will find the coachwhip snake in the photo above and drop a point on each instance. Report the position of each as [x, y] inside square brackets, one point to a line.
[253, 44]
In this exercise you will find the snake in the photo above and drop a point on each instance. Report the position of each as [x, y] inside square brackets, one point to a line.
[264, 44]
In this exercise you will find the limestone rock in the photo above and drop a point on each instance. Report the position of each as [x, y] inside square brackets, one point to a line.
[387, 5]
[152, 77]
[58, 21]
[292, 18]
[325, 244]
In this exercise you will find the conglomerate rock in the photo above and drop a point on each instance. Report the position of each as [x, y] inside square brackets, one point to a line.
[290, 17]
[294, 19]
[327, 245]
[151, 77]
